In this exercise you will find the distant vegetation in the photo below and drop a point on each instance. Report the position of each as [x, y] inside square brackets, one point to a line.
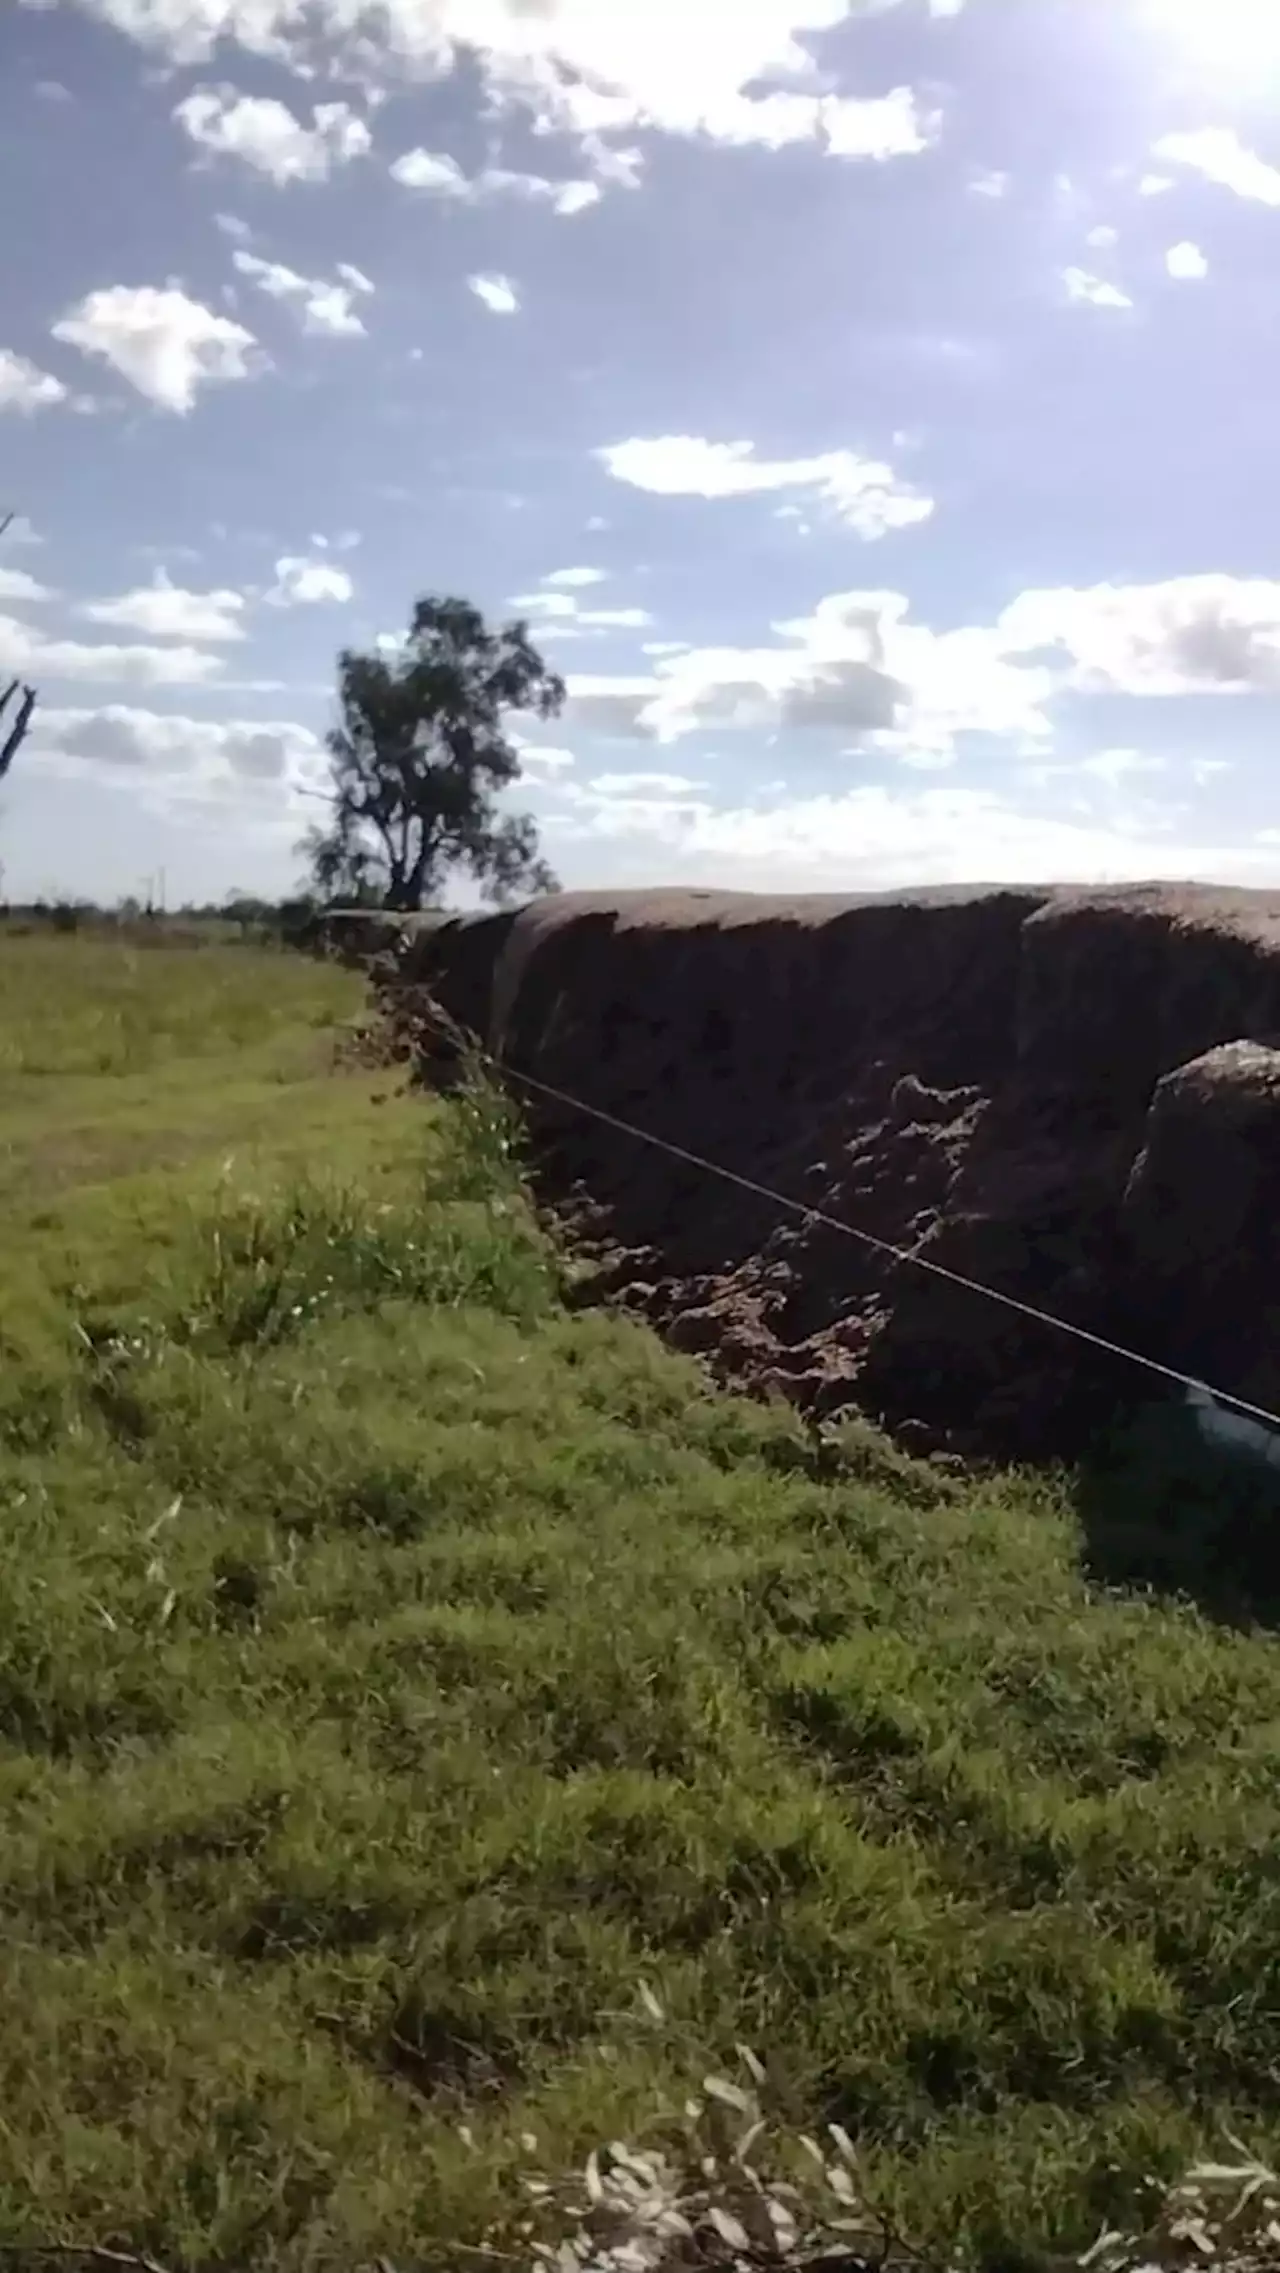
[241, 916]
[419, 759]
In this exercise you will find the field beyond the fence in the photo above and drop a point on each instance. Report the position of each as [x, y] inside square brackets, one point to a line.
[435, 1729]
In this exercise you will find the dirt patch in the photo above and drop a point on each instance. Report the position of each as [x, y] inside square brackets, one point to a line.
[980, 1077]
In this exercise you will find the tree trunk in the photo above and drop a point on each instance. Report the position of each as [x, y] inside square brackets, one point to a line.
[416, 881]
[17, 733]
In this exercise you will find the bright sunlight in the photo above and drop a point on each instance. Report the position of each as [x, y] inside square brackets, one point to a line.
[1236, 36]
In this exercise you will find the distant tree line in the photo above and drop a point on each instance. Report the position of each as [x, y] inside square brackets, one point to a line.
[290, 921]
[419, 762]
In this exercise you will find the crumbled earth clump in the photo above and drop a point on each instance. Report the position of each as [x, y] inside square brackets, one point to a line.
[1070, 1097]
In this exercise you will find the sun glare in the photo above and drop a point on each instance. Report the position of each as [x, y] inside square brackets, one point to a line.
[1235, 36]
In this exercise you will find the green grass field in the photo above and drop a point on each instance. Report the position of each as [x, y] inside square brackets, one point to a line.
[434, 1730]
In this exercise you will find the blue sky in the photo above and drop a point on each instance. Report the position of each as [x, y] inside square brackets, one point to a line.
[870, 403]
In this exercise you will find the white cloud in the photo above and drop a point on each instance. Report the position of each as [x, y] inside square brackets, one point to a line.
[301, 583]
[990, 182]
[1193, 634]
[263, 134]
[1103, 237]
[1218, 153]
[564, 608]
[1117, 766]
[1154, 185]
[548, 604]
[497, 292]
[559, 612]
[611, 166]
[615, 707]
[19, 589]
[442, 177]
[856, 667]
[25, 387]
[1093, 291]
[166, 345]
[645, 785]
[29, 653]
[572, 66]
[862, 492]
[1113, 768]
[565, 198]
[326, 304]
[197, 751]
[868, 837]
[1186, 262]
[860, 668]
[165, 611]
[542, 758]
[433, 171]
[877, 126]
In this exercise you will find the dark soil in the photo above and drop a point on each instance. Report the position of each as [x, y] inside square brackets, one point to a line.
[1024, 1086]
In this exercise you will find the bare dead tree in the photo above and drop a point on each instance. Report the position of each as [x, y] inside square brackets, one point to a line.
[16, 733]
[15, 721]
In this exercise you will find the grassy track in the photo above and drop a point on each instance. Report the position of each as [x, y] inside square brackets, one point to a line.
[396, 1671]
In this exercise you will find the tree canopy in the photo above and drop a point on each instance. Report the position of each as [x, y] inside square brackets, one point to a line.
[420, 756]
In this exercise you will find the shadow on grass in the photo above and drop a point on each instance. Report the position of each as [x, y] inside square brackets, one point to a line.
[1162, 1509]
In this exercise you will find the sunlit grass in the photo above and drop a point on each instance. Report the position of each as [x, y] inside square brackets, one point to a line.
[431, 1721]
[89, 1006]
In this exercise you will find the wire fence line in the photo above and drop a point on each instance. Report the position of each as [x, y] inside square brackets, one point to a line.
[900, 1256]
